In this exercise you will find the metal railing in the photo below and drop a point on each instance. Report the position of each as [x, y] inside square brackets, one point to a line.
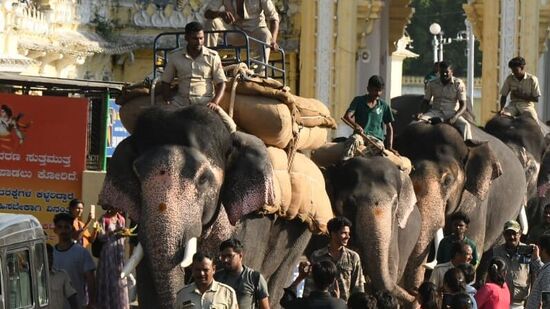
[270, 68]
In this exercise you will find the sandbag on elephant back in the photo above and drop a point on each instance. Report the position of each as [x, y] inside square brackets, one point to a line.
[313, 113]
[261, 87]
[266, 118]
[301, 193]
[310, 201]
[281, 181]
[311, 138]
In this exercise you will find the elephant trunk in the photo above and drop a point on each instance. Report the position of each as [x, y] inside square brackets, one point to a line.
[173, 215]
[376, 223]
[431, 206]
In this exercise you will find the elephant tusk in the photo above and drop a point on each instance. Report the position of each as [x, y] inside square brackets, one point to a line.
[523, 221]
[133, 261]
[437, 239]
[190, 250]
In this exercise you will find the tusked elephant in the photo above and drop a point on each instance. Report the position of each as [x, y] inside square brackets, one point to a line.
[184, 174]
[484, 180]
[380, 202]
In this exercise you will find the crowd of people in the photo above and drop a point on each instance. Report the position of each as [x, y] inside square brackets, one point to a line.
[518, 274]
[76, 280]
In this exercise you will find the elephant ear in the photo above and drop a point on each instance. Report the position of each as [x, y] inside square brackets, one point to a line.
[121, 188]
[248, 181]
[407, 200]
[482, 167]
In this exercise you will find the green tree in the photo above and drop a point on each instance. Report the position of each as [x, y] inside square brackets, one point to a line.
[450, 15]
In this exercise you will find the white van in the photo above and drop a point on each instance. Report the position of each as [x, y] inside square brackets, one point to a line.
[23, 263]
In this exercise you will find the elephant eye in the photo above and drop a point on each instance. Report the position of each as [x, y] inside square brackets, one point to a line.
[204, 178]
[447, 180]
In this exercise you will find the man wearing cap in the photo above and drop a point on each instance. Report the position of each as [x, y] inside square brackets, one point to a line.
[523, 263]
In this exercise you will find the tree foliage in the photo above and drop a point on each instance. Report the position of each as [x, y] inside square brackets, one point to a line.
[450, 15]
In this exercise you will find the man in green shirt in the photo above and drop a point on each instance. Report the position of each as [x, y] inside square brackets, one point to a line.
[370, 115]
[459, 223]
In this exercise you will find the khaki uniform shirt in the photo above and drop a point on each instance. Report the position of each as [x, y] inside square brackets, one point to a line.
[446, 97]
[528, 85]
[218, 296]
[255, 12]
[196, 77]
[519, 273]
[350, 277]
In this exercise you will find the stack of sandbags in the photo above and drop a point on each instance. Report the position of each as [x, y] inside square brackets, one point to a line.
[266, 109]
[313, 113]
[263, 117]
[300, 193]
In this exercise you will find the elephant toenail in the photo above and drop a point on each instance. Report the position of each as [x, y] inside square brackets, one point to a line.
[162, 207]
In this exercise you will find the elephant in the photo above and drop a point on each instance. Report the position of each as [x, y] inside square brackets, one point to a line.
[483, 179]
[380, 202]
[525, 137]
[185, 174]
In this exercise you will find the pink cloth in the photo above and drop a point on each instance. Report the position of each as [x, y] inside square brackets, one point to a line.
[493, 296]
[111, 289]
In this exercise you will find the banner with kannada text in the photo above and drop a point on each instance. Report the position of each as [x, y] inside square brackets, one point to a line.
[42, 154]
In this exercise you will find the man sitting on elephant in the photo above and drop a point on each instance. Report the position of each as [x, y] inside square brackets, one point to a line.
[350, 277]
[523, 89]
[449, 100]
[371, 116]
[201, 78]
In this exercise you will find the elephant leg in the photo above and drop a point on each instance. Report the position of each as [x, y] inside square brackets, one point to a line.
[274, 248]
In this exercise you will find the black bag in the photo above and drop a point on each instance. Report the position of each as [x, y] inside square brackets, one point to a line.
[97, 245]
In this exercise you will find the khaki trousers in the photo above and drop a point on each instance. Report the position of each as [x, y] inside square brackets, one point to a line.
[518, 108]
[259, 33]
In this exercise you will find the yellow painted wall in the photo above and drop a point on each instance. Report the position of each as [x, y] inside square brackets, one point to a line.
[92, 181]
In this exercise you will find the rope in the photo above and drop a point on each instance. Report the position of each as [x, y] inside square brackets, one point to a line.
[240, 72]
[233, 94]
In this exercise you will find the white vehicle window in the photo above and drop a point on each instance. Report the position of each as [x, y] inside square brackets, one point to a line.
[19, 287]
[41, 269]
